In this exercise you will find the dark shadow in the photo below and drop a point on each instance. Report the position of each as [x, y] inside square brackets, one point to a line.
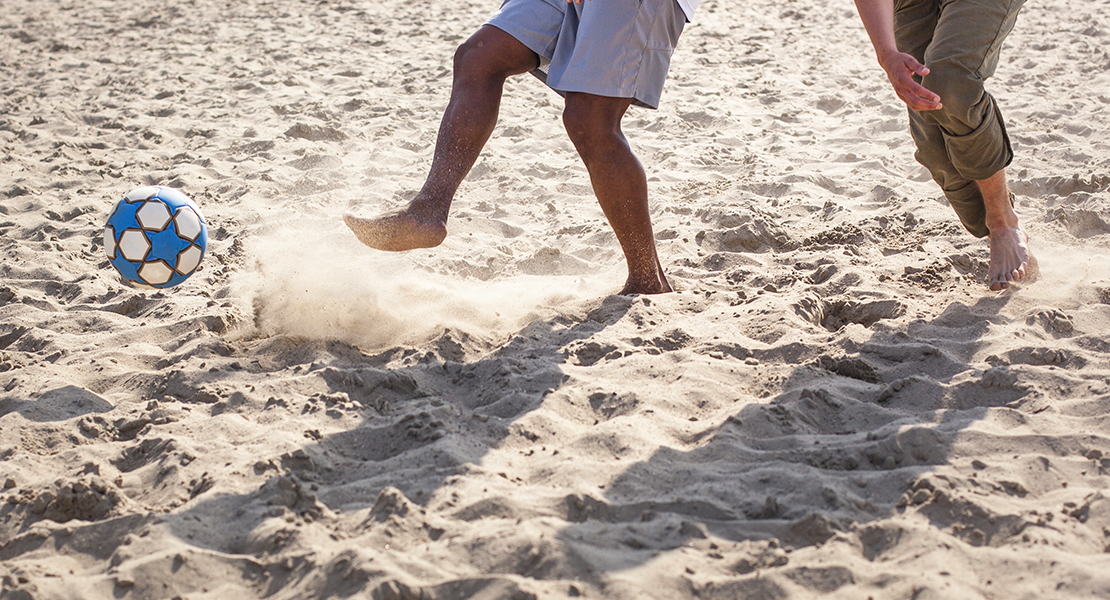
[59, 404]
[411, 436]
[913, 390]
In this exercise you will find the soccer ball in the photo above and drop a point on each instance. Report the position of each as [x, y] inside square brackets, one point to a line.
[155, 237]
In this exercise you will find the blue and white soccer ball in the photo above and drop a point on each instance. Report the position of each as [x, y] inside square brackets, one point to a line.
[155, 237]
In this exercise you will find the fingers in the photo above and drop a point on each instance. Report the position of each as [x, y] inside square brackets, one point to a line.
[901, 74]
[918, 97]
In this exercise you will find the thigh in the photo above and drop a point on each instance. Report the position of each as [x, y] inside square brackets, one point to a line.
[534, 23]
[969, 34]
[914, 24]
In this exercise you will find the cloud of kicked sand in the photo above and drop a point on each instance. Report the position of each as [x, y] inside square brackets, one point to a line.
[312, 279]
[1070, 274]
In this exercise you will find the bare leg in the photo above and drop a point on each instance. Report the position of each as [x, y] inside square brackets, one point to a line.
[618, 179]
[481, 66]
[1011, 260]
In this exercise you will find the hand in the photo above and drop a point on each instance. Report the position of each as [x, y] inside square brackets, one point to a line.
[900, 69]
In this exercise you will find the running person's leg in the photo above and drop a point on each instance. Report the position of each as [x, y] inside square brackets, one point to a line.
[600, 80]
[964, 145]
[481, 66]
[1011, 260]
[619, 182]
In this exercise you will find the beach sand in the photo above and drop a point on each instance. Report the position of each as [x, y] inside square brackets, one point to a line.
[831, 404]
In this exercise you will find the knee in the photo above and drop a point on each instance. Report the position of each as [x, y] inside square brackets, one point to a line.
[471, 58]
[577, 122]
[492, 54]
[961, 92]
[589, 123]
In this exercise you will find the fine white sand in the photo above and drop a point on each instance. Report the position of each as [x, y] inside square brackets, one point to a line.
[832, 405]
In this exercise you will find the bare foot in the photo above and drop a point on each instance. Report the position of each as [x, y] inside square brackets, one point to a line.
[650, 285]
[1011, 260]
[397, 231]
[631, 289]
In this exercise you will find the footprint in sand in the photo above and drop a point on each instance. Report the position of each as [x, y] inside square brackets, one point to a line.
[1054, 321]
[895, 386]
[836, 314]
[999, 377]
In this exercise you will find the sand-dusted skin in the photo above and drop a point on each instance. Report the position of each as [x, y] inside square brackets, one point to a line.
[599, 83]
[398, 231]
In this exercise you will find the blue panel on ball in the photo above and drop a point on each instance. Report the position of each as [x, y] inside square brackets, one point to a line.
[123, 216]
[166, 243]
[126, 268]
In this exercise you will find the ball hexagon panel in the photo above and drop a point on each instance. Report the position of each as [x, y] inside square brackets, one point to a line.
[187, 223]
[141, 193]
[110, 241]
[156, 272]
[153, 215]
[189, 259]
[134, 245]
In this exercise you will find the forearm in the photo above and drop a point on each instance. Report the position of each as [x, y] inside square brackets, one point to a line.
[901, 68]
[878, 20]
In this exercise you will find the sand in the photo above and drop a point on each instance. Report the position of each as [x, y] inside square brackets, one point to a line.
[831, 404]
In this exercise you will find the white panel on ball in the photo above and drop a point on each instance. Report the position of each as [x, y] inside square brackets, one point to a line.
[153, 216]
[155, 273]
[133, 245]
[110, 242]
[188, 224]
[188, 260]
[141, 193]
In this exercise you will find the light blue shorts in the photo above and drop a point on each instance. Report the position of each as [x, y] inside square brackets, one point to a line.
[615, 48]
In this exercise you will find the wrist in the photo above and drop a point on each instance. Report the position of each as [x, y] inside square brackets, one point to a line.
[884, 53]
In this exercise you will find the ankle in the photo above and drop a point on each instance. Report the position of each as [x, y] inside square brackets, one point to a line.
[1006, 219]
[426, 208]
